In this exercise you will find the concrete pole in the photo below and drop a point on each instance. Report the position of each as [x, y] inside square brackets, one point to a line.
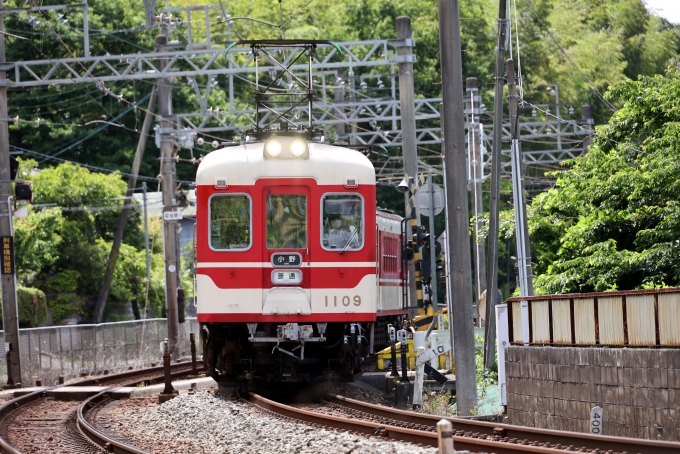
[521, 225]
[168, 151]
[339, 97]
[495, 192]
[459, 220]
[408, 120]
[433, 247]
[122, 220]
[587, 120]
[146, 245]
[477, 176]
[352, 99]
[10, 310]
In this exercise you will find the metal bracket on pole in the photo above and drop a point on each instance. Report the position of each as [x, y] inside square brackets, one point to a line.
[408, 42]
[403, 59]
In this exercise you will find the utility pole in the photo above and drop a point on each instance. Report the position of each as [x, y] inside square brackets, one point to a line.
[433, 246]
[495, 192]
[122, 220]
[146, 246]
[339, 97]
[168, 150]
[408, 119]
[521, 225]
[457, 205]
[10, 310]
[476, 179]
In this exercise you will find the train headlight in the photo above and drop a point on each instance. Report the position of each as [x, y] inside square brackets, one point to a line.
[273, 148]
[286, 147]
[298, 148]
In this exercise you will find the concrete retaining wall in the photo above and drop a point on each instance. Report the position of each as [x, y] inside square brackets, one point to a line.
[556, 387]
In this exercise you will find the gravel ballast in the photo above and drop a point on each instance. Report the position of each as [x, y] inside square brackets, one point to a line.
[204, 422]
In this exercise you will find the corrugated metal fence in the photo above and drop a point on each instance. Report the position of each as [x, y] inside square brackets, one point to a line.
[71, 350]
[640, 318]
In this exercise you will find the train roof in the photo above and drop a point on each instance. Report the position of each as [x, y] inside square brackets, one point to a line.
[244, 164]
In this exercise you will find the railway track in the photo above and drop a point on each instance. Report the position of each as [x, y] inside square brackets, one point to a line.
[351, 415]
[37, 423]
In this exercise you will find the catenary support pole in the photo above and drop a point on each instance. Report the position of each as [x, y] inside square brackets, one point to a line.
[408, 119]
[476, 180]
[10, 310]
[433, 247]
[495, 187]
[122, 220]
[146, 247]
[457, 204]
[168, 150]
[339, 97]
[521, 225]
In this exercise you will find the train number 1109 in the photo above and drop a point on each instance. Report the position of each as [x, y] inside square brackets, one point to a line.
[345, 300]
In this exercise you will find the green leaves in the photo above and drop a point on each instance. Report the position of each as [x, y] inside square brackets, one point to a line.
[613, 220]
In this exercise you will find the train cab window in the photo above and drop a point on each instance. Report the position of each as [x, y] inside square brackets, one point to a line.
[230, 222]
[286, 221]
[342, 222]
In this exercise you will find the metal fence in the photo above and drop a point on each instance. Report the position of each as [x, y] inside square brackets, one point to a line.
[71, 350]
[640, 318]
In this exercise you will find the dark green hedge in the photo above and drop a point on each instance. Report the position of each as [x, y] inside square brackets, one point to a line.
[32, 307]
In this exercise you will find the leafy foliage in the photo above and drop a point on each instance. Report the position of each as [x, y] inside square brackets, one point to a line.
[32, 307]
[612, 221]
[63, 250]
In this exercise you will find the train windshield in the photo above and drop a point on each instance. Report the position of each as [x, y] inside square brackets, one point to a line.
[342, 222]
[230, 222]
[286, 221]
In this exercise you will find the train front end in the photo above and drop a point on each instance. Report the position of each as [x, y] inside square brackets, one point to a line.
[286, 260]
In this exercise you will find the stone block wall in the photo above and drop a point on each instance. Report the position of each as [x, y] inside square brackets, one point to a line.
[556, 387]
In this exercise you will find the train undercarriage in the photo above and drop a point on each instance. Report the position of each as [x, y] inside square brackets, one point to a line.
[261, 355]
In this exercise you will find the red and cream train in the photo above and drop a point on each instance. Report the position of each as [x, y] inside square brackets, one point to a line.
[297, 273]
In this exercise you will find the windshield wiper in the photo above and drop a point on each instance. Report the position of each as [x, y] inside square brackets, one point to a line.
[344, 248]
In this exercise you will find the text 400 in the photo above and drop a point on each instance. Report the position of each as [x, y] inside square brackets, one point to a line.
[345, 300]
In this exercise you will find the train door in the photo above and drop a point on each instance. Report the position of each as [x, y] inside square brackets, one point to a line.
[286, 253]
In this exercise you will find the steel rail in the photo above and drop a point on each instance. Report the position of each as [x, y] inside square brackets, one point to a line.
[127, 378]
[106, 442]
[393, 432]
[578, 440]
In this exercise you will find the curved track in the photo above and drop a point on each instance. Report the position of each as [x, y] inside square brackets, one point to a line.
[368, 419]
[35, 420]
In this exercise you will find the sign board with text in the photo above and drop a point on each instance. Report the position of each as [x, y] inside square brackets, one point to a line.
[7, 255]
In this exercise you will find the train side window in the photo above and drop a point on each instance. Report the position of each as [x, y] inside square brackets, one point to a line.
[286, 221]
[342, 222]
[230, 227]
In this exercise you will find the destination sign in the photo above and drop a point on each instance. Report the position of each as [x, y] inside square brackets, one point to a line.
[289, 259]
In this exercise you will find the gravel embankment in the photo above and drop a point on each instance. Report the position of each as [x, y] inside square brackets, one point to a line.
[206, 423]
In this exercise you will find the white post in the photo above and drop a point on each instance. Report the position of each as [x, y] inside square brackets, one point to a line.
[596, 419]
[503, 340]
[418, 385]
[434, 339]
[524, 307]
[445, 437]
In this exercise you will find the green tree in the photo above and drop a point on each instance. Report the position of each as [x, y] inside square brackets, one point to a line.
[613, 219]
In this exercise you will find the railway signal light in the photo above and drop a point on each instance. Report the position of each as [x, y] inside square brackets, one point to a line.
[421, 236]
